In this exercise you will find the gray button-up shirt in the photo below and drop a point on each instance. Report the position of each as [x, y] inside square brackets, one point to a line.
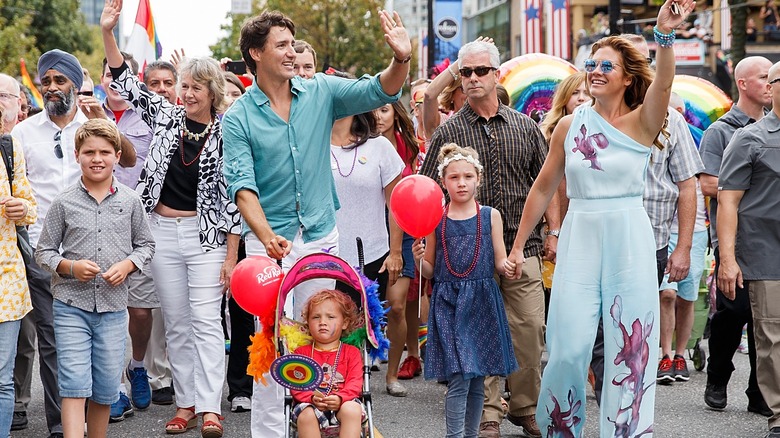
[751, 162]
[77, 227]
[713, 143]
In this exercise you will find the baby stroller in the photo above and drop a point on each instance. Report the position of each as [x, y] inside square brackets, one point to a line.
[290, 334]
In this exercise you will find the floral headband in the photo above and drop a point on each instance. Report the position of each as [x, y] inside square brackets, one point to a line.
[446, 162]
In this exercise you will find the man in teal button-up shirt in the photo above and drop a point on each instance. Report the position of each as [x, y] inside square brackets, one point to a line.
[277, 155]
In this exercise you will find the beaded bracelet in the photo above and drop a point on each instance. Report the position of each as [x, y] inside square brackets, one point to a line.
[665, 40]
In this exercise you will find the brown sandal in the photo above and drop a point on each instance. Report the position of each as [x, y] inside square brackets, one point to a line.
[179, 425]
[210, 428]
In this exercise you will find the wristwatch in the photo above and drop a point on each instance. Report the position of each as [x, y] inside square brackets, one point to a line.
[554, 233]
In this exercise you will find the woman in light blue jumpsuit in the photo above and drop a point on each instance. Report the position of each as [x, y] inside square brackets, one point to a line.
[606, 251]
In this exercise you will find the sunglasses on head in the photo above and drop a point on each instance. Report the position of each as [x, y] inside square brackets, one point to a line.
[480, 71]
[606, 66]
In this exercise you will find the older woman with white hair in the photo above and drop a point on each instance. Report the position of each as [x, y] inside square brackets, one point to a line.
[194, 223]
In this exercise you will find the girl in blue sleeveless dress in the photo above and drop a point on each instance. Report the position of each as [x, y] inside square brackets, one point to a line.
[606, 249]
[468, 333]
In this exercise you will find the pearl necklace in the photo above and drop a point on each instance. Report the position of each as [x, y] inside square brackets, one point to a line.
[196, 137]
[446, 252]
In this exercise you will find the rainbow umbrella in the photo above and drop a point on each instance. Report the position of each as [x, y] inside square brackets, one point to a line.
[704, 102]
[531, 80]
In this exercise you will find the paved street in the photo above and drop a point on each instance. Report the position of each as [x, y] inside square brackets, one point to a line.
[680, 412]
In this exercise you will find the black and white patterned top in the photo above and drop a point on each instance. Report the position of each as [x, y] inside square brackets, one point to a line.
[217, 214]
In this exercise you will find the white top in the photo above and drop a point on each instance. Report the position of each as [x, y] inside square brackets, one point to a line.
[362, 196]
[48, 175]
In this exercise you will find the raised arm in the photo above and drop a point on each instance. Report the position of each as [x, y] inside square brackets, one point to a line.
[394, 76]
[108, 21]
[653, 111]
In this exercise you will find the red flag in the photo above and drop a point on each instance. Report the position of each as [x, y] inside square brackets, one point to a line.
[558, 28]
[531, 26]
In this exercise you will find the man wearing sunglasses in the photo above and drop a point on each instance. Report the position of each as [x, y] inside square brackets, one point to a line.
[513, 151]
[748, 199]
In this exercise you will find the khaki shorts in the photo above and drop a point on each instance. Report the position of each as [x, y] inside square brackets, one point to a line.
[141, 292]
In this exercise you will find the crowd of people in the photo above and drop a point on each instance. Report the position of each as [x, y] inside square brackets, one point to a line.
[124, 218]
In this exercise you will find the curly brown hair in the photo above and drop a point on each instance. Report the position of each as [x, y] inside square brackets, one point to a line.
[348, 308]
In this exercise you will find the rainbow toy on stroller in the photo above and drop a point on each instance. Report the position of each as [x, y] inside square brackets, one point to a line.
[300, 372]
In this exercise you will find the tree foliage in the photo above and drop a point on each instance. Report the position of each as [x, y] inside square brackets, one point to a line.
[738, 38]
[15, 43]
[52, 24]
[346, 34]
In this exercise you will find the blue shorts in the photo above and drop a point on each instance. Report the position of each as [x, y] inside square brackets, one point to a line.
[408, 256]
[688, 288]
[90, 352]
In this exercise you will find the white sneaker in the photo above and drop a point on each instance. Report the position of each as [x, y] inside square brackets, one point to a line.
[241, 404]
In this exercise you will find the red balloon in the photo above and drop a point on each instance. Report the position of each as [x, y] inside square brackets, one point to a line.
[417, 204]
[255, 284]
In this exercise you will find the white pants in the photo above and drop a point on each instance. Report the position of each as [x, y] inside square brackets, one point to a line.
[187, 283]
[268, 401]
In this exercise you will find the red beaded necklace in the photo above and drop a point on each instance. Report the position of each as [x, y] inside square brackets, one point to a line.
[207, 133]
[444, 244]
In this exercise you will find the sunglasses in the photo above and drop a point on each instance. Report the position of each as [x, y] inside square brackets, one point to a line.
[774, 81]
[480, 71]
[606, 66]
[85, 93]
[58, 145]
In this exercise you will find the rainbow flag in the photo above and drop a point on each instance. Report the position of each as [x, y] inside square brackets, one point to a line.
[28, 82]
[144, 43]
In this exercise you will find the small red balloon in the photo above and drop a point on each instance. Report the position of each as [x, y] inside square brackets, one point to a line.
[417, 204]
[255, 285]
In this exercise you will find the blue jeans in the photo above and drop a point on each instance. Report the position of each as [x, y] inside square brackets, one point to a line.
[463, 406]
[9, 332]
[90, 352]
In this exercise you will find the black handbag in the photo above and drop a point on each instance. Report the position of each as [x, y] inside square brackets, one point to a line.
[22, 238]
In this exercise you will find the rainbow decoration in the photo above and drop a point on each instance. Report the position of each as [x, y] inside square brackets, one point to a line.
[704, 102]
[297, 372]
[144, 42]
[27, 81]
[531, 80]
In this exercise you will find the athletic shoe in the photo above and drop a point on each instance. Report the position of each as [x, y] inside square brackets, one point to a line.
[681, 373]
[139, 387]
[759, 407]
[240, 404]
[163, 396]
[121, 409]
[715, 396]
[773, 433]
[665, 373]
[19, 421]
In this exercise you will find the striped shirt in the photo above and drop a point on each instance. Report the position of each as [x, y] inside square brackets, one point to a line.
[676, 162]
[511, 149]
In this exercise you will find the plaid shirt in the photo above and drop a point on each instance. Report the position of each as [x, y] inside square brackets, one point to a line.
[511, 149]
[676, 162]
